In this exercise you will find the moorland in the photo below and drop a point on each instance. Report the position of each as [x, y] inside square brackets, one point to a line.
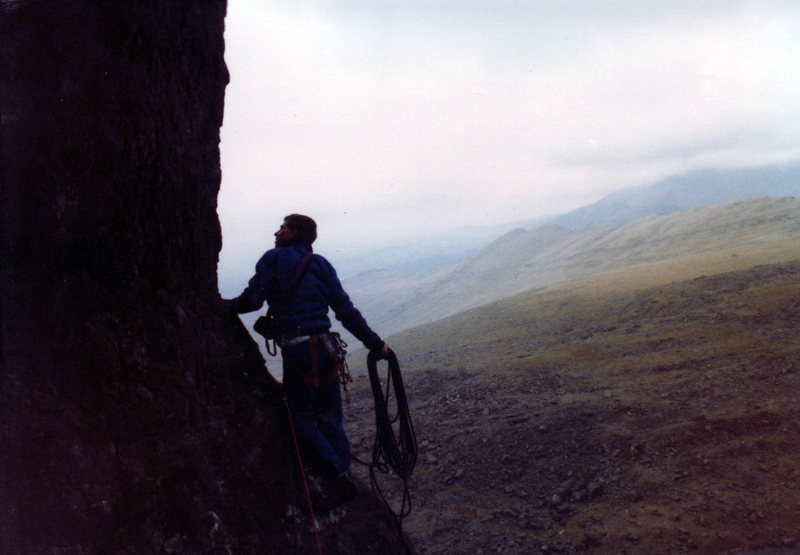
[645, 408]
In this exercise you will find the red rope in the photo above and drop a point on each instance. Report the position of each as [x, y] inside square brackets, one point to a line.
[303, 474]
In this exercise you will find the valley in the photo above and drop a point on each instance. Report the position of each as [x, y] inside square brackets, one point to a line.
[523, 260]
[649, 408]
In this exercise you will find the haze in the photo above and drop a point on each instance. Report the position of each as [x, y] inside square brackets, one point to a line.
[393, 121]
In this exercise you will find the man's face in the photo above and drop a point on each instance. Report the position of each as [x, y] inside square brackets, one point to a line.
[284, 236]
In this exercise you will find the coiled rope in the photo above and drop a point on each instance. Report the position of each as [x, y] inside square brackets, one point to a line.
[395, 449]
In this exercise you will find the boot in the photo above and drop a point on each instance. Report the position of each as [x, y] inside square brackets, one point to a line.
[344, 487]
[337, 491]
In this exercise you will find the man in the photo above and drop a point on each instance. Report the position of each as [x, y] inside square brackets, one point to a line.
[299, 298]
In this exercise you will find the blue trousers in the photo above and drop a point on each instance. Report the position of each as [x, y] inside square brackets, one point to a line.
[311, 383]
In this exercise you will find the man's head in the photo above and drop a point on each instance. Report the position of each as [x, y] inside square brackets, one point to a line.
[296, 227]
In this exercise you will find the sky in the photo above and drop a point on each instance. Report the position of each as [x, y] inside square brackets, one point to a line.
[390, 121]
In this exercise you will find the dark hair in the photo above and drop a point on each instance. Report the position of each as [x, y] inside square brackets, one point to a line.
[305, 227]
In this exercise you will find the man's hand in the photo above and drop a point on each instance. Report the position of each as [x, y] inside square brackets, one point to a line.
[383, 352]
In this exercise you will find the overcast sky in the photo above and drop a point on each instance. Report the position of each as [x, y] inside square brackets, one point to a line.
[389, 120]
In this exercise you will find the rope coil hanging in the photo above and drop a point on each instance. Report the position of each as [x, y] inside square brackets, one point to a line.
[394, 451]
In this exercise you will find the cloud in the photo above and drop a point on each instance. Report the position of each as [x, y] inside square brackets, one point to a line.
[385, 120]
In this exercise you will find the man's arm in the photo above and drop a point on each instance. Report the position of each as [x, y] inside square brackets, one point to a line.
[254, 295]
[350, 317]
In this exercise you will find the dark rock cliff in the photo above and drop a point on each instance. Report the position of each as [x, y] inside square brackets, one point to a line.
[135, 412]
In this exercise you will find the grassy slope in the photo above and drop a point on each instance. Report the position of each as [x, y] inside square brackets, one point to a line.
[650, 409]
[524, 260]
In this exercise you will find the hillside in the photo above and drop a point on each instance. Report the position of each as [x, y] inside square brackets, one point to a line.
[646, 410]
[424, 255]
[523, 260]
[419, 257]
[672, 194]
[681, 192]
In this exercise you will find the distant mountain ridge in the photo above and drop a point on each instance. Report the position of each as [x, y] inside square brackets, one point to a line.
[680, 192]
[522, 260]
[670, 195]
[428, 254]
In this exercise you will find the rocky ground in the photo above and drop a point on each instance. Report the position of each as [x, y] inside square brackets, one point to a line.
[658, 419]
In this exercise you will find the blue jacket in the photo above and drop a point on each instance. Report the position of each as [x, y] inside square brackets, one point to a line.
[316, 290]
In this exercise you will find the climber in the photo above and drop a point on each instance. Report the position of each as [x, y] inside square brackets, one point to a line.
[299, 287]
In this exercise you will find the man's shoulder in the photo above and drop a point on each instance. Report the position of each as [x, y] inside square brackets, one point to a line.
[271, 254]
[283, 252]
[290, 255]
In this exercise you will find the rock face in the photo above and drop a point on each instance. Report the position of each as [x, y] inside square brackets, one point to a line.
[135, 412]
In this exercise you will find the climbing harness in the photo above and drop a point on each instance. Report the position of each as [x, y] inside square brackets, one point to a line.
[336, 350]
[393, 451]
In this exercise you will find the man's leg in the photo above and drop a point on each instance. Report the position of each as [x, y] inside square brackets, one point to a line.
[303, 404]
[331, 422]
[342, 488]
